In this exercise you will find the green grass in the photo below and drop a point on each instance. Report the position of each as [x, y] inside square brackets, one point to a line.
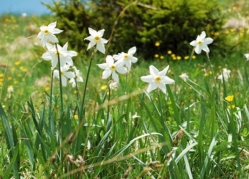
[183, 134]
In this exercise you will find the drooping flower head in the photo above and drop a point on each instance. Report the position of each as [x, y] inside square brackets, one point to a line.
[65, 74]
[157, 79]
[64, 54]
[77, 77]
[201, 43]
[96, 39]
[224, 75]
[247, 56]
[184, 76]
[111, 68]
[47, 33]
[127, 58]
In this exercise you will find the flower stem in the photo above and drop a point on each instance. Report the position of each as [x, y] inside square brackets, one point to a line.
[87, 77]
[59, 63]
[50, 102]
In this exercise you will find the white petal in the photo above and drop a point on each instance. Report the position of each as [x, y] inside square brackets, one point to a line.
[103, 66]
[205, 48]
[153, 70]
[121, 70]
[52, 25]
[151, 87]
[133, 59]
[56, 31]
[197, 49]
[64, 81]
[162, 87]
[115, 76]
[167, 80]
[132, 50]
[103, 41]
[90, 38]
[109, 60]
[69, 74]
[106, 73]
[47, 56]
[164, 71]
[101, 32]
[101, 47]
[193, 43]
[92, 32]
[91, 44]
[203, 35]
[208, 40]
[148, 78]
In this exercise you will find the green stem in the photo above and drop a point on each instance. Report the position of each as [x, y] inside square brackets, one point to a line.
[87, 77]
[59, 63]
[50, 102]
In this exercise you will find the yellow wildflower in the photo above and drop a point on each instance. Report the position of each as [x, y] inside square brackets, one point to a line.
[104, 87]
[229, 98]
[157, 44]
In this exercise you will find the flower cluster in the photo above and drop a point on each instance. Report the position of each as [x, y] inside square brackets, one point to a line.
[224, 76]
[59, 55]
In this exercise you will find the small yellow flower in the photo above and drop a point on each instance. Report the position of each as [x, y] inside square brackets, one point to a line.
[157, 44]
[156, 55]
[18, 62]
[76, 116]
[193, 57]
[1, 75]
[161, 57]
[15, 82]
[47, 88]
[75, 92]
[178, 57]
[206, 74]
[9, 78]
[169, 52]
[174, 57]
[229, 98]
[231, 107]
[104, 87]
[210, 72]
[186, 57]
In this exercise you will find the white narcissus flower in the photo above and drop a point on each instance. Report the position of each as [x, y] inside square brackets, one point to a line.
[225, 74]
[65, 74]
[65, 56]
[96, 39]
[47, 33]
[110, 68]
[77, 77]
[201, 43]
[247, 56]
[157, 79]
[184, 76]
[127, 58]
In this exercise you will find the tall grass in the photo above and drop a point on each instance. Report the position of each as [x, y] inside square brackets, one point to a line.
[192, 131]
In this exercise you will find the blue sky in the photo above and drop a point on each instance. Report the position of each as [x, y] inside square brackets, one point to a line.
[24, 6]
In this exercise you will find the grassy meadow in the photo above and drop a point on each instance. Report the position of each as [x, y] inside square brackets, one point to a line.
[198, 129]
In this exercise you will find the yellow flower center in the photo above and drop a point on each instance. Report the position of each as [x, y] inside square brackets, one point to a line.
[57, 53]
[113, 67]
[158, 79]
[97, 38]
[126, 56]
[199, 42]
[46, 32]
